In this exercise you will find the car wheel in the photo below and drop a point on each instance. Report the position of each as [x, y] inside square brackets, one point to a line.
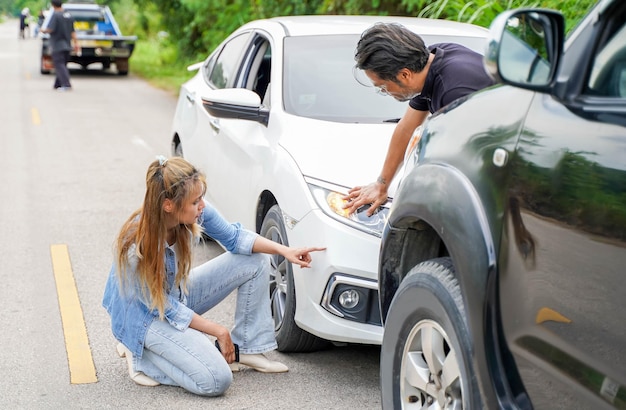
[426, 351]
[289, 336]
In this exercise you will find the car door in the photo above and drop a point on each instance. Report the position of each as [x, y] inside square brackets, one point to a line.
[242, 147]
[201, 144]
[562, 269]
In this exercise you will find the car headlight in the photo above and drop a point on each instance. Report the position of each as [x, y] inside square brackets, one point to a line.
[331, 202]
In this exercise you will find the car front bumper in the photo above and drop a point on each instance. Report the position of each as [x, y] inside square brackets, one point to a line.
[349, 264]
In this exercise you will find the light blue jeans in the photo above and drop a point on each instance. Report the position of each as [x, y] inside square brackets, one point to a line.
[189, 359]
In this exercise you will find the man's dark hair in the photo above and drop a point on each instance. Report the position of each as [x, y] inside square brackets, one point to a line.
[56, 3]
[385, 49]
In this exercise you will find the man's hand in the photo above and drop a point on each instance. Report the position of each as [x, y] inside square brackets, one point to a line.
[374, 194]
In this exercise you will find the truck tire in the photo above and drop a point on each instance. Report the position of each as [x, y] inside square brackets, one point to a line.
[421, 337]
[122, 66]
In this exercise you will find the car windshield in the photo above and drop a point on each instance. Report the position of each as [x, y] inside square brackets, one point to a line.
[88, 20]
[319, 80]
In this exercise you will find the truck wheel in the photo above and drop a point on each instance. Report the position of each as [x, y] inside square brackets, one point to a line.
[426, 352]
[122, 66]
[289, 336]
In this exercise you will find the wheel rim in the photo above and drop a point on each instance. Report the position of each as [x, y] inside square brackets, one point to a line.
[430, 373]
[278, 280]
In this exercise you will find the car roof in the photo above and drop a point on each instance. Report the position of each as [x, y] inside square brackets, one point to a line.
[327, 24]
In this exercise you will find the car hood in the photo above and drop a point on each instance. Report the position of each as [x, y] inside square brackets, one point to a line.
[343, 154]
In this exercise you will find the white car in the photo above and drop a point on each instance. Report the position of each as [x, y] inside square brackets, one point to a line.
[282, 129]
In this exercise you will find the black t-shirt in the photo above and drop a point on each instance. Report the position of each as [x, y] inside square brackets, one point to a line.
[455, 72]
[61, 26]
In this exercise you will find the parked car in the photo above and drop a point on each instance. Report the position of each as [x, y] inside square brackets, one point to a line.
[278, 122]
[99, 37]
[502, 279]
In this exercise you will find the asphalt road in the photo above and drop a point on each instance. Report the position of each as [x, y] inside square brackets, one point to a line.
[72, 169]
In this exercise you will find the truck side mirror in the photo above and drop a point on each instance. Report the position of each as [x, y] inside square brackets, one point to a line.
[524, 48]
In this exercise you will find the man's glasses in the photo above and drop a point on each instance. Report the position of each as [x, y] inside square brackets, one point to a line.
[361, 78]
[382, 90]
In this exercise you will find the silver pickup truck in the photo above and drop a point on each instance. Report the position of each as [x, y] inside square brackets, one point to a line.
[99, 36]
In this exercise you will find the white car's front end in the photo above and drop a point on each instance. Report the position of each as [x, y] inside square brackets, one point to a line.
[280, 157]
[337, 297]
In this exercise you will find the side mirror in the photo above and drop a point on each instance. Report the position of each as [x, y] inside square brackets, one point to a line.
[236, 103]
[524, 48]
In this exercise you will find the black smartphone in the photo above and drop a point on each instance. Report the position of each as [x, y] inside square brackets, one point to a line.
[217, 345]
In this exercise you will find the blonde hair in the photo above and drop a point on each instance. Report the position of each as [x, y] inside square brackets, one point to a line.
[179, 181]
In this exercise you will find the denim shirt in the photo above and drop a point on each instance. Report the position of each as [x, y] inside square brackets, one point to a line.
[131, 316]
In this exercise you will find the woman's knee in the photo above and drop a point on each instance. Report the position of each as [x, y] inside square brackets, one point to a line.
[261, 258]
[262, 261]
[215, 382]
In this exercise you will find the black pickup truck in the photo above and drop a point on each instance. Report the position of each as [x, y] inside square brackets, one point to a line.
[501, 273]
[99, 36]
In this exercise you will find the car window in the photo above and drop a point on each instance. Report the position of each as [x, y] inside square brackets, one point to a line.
[90, 21]
[207, 68]
[256, 68]
[608, 74]
[224, 70]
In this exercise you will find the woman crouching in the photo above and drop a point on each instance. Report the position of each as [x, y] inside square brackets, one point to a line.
[156, 301]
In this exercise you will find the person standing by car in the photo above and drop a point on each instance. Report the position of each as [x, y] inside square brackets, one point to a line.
[399, 64]
[24, 20]
[156, 300]
[40, 18]
[62, 35]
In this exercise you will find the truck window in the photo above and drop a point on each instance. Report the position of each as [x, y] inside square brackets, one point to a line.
[608, 74]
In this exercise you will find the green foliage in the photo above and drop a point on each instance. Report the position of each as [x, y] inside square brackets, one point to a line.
[365, 7]
[195, 27]
[271, 8]
[14, 7]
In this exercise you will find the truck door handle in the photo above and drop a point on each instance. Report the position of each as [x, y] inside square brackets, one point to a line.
[191, 97]
[500, 157]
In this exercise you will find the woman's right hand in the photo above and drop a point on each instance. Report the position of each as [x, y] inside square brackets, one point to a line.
[226, 345]
[221, 333]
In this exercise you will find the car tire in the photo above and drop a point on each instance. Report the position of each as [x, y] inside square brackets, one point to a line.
[428, 304]
[289, 336]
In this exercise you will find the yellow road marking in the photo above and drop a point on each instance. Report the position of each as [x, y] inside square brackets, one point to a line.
[34, 112]
[82, 369]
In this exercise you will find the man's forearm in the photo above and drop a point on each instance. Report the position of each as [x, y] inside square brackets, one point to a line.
[395, 156]
[399, 141]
